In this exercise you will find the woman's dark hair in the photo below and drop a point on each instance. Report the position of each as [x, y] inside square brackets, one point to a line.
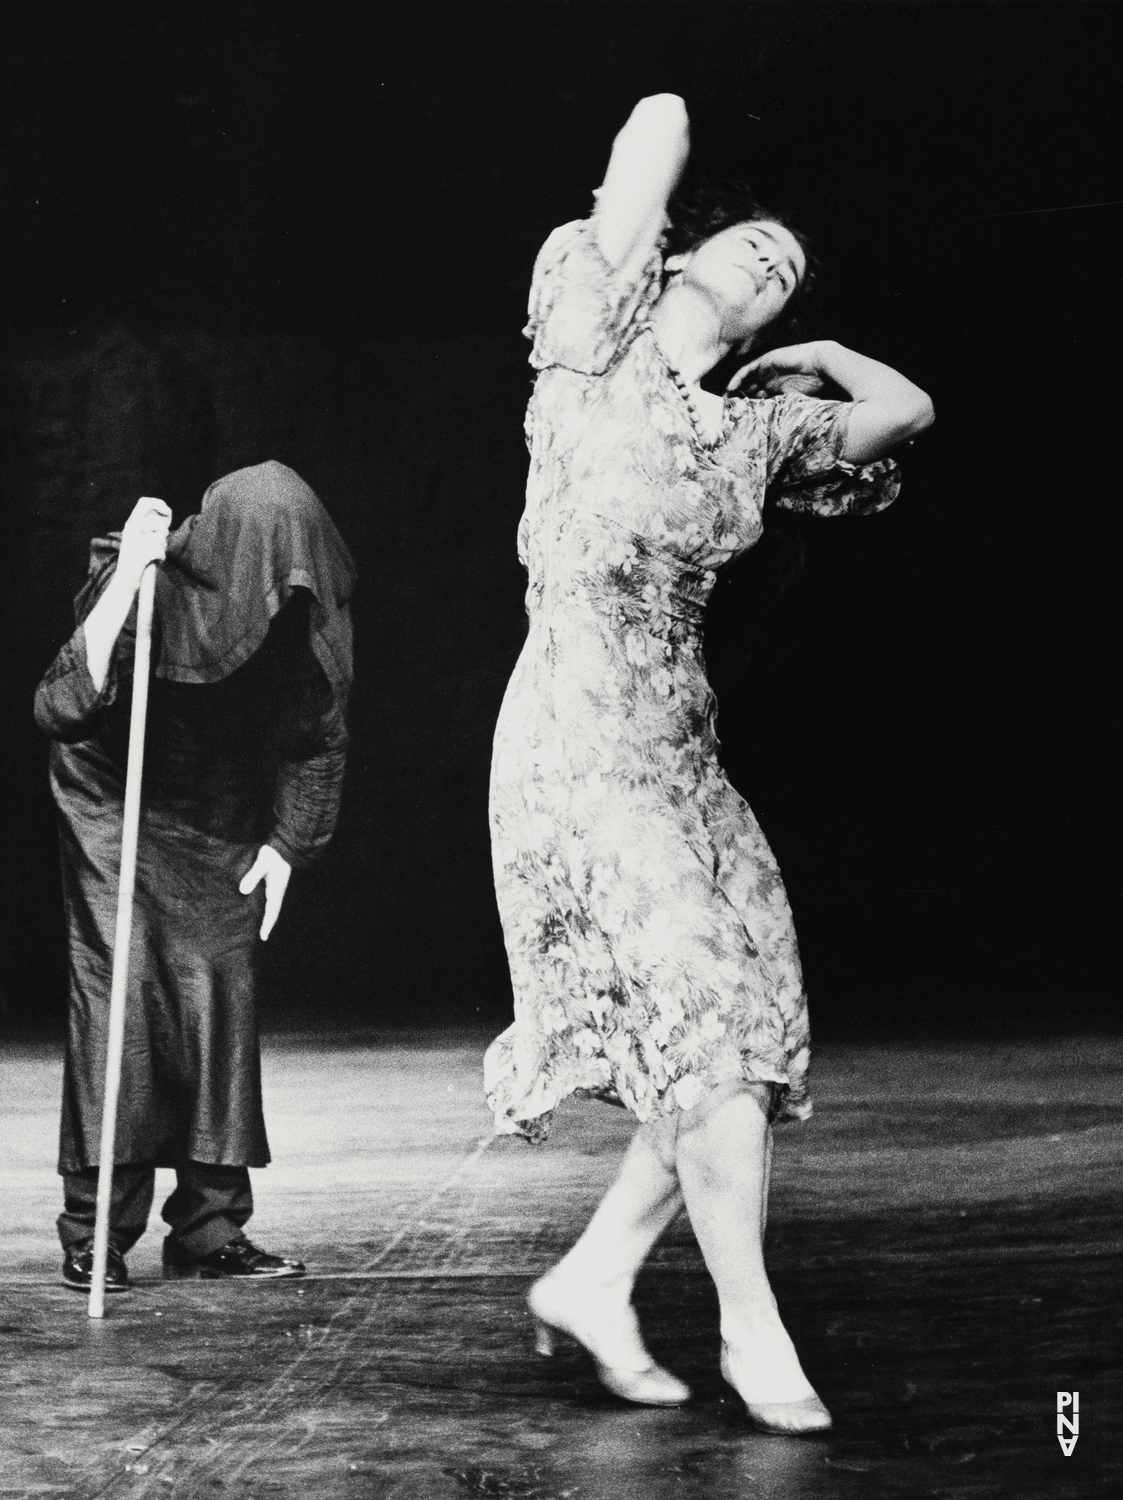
[708, 206]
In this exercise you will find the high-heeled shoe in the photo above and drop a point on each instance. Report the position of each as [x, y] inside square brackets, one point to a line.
[789, 1418]
[647, 1385]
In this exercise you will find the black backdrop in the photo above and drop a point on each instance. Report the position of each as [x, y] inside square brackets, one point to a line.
[244, 231]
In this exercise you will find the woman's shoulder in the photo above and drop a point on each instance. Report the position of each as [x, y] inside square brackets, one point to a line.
[583, 309]
[575, 245]
[748, 421]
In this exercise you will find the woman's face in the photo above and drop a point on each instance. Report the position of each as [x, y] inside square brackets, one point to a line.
[750, 271]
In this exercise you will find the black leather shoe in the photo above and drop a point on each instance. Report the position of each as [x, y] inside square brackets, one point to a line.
[236, 1258]
[78, 1269]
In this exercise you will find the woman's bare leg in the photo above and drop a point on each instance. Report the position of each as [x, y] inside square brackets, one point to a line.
[722, 1153]
[589, 1291]
[643, 1199]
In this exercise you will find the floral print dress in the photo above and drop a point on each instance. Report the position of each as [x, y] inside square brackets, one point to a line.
[650, 940]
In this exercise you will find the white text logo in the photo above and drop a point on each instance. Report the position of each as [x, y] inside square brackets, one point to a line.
[1068, 1401]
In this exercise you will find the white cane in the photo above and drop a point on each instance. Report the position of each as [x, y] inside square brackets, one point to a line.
[130, 822]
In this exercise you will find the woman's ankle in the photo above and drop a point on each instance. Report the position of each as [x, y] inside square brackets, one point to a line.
[761, 1362]
[585, 1276]
[750, 1320]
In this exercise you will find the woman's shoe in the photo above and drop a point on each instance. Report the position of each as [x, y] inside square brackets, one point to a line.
[790, 1418]
[646, 1384]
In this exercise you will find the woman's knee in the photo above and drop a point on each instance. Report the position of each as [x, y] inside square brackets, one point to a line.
[730, 1122]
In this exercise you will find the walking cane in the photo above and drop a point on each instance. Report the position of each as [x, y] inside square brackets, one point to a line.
[130, 822]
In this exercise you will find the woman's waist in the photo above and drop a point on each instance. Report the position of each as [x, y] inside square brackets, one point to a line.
[563, 613]
[611, 703]
[617, 756]
[591, 645]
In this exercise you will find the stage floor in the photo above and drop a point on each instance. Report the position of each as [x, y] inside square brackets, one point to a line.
[944, 1243]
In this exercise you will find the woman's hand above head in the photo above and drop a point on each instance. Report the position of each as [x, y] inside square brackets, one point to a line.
[887, 408]
[647, 160]
[794, 368]
[144, 540]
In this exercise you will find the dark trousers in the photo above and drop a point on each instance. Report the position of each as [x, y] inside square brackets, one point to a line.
[208, 1208]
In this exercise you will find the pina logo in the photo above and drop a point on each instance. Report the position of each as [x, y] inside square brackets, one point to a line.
[1068, 1401]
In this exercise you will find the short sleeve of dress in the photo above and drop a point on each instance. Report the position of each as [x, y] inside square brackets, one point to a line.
[582, 310]
[805, 471]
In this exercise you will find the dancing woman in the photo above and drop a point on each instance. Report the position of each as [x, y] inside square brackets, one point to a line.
[651, 945]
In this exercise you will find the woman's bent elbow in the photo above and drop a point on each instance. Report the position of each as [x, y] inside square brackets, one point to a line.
[910, 421]
[666, 112]
[925, 412]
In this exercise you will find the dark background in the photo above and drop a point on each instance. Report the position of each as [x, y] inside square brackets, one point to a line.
[236, 232]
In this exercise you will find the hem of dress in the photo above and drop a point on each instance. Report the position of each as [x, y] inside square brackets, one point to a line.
[785, 1108]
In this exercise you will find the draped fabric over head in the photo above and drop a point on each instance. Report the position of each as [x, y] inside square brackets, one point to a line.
[230, 569]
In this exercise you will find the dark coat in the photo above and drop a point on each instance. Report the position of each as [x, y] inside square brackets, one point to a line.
[245, 745]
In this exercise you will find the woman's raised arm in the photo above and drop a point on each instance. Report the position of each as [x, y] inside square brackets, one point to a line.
[887, 409]
[647, 160]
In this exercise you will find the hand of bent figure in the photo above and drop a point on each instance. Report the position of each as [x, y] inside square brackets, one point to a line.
[144, 538]
[794, 368]
[275, 871]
